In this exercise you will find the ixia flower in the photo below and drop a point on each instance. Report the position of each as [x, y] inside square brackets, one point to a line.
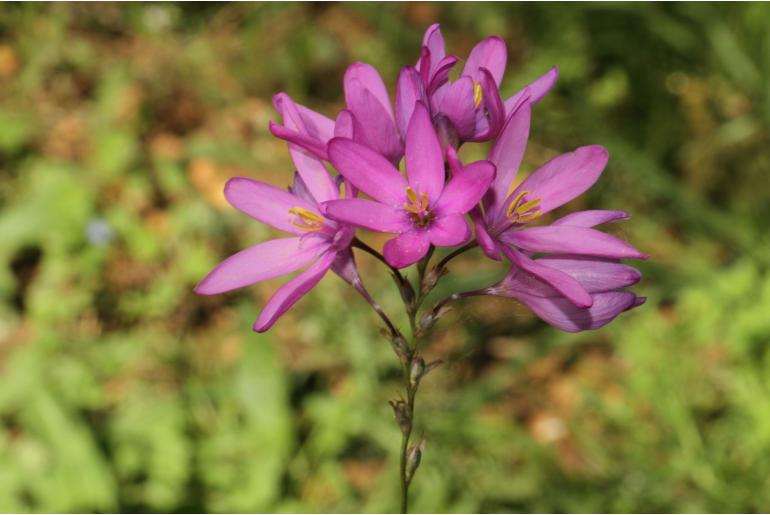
[316, 241]
[601, 278]
[421, 209]
[471, 107]
[503, 226]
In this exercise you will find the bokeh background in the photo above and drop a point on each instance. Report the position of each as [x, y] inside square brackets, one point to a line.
[120, 390]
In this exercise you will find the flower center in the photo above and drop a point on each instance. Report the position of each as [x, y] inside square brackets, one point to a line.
[478, 94]
[520, 211]
[306, 220]
[417, 208]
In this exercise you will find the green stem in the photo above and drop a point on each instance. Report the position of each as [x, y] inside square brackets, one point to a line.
[405, 436]
[442, 264]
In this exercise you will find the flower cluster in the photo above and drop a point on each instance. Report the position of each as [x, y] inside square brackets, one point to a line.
[568, 272]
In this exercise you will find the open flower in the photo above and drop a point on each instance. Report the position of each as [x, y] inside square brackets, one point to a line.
[508, 210]
[422, 210]
[601, 278]
[470, 107]
[316, 241]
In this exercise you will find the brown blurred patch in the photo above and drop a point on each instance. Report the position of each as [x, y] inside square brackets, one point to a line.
[362, 474]
[67, 139]
[347, 26]
[9, 61]
[422, 13]
[209, 179]
[166, 146]
[157, 221]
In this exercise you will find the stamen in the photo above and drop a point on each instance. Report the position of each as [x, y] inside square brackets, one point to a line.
[308, 220]
[478, 94]
[424, 201]
[515, 203]
[522, 213]
[411, 195]
[528, 217]
[526, 206]
[418, 207]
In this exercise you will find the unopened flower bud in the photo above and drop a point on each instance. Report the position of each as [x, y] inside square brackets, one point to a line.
[431, 279]
[431, 317]
[413, 458]
[400, 347]
[402, 414]
[416, 370]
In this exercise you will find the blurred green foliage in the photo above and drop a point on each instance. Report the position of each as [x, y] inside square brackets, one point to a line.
[120, 390]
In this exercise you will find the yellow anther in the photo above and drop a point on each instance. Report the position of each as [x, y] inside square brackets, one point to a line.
[417, 203]
[478, 94]
[512, 206]
[526, 206]
[411, 195]
[308, 220]
[522, 213]
[522, 219]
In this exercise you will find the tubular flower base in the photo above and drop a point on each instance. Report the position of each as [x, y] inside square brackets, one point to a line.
[567, 272]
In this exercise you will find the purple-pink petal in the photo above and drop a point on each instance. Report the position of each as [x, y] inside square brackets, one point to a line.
[449, 230]
[311, 144]
[424, 161]
[507, 154]
[591, 218]
[314, 174]
[489, 53]
[434, 42]
[565, 177]
[595, 275]
[361, 77]
[266, 203]
[409, 91]
[561, 313]
[264, 261]
[288, 294]
[494, 117]
[375, 127]
[483, 238]
[368, 214]
[466, 187]
[345, 125]
[537, 89]
[441, 73]
[560, 281]
[407, 248]
[303, 120]
[571, 240]
[368, 171]
[457, 103]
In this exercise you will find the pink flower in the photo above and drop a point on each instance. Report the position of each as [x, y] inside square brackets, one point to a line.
[601, 278]
[470, 106]
[422, 209]
[316, 241]
[504, 223]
